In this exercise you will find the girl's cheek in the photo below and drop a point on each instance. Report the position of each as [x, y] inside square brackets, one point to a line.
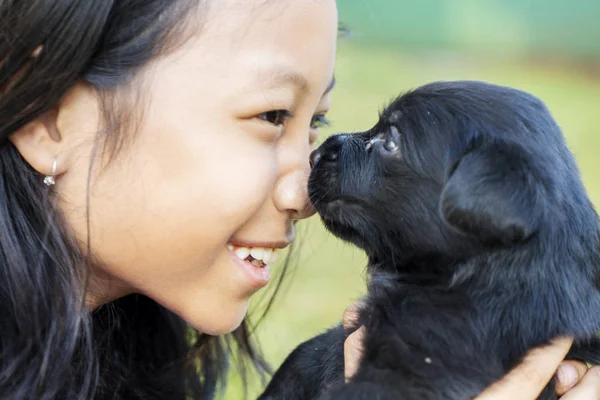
[244, 183]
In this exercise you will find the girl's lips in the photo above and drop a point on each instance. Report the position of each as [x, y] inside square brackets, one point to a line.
[259, 276]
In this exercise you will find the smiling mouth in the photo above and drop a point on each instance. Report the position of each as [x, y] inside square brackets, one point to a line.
[258, 256]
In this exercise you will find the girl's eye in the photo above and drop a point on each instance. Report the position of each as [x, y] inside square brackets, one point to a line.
[319, 121]
[275, 117]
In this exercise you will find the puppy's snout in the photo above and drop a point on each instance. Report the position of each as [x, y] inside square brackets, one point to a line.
[315, 156]
[328, 152]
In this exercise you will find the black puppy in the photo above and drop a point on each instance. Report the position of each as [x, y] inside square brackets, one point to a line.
[482, 245]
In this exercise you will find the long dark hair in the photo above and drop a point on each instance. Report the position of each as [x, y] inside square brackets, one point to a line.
[51, 346]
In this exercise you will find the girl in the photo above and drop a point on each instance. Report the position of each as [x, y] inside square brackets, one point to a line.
[153, 161]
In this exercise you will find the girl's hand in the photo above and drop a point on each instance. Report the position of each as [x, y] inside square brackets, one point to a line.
[574, 380]
[353, 343]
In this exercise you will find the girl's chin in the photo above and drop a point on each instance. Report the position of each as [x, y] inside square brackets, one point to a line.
[220, 323]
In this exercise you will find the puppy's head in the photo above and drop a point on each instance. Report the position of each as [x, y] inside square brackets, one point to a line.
[450, 169]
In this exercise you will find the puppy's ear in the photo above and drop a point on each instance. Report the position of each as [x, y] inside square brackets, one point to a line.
[493, 193]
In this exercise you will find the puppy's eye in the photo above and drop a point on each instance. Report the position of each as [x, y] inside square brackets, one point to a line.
[391, 141]
[390, 145]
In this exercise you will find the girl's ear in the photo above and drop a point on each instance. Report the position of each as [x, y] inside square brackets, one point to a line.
[39, 143]
[54, 134]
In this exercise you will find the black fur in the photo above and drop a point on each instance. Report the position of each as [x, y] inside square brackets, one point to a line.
[482, 245]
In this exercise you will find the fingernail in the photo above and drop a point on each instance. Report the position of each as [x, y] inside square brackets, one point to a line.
[567, 375]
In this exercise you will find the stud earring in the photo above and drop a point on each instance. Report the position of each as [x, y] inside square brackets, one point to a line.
[50, 180]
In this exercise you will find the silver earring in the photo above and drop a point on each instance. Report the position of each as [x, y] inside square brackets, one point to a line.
[50, 180]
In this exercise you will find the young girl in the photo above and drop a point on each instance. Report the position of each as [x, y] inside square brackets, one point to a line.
[153, 162]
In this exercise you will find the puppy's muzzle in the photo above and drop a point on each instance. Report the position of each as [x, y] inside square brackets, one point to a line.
[328, 152]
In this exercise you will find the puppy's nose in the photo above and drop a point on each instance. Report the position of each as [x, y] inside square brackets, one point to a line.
[326, 154]
[315, 156]
[328, 151]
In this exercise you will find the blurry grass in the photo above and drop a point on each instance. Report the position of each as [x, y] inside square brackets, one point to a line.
[327, 274]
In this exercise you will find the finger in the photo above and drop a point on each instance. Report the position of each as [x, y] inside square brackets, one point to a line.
[527, 380]
[351, 314]
[588, 388]
[353, 347]
[568, 374]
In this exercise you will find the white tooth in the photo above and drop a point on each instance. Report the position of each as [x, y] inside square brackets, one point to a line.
[267, 256]
[229, 247]
[242, 252]
[257, 253]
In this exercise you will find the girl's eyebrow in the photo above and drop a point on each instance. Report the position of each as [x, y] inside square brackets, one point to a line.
[292, 78]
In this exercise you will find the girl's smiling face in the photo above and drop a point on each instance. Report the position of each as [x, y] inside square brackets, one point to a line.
[219, 162]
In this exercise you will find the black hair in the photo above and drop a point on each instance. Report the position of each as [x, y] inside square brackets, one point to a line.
[51, 345]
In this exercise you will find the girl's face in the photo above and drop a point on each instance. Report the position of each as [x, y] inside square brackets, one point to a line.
[219, 165]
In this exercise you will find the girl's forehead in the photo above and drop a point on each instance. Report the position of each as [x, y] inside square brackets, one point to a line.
[281, 43]
[240, 22]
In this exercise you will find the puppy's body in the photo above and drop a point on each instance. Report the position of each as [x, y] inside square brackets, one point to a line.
[482, 245]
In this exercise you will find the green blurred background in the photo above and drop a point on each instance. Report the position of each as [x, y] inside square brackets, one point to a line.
[550, 48]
